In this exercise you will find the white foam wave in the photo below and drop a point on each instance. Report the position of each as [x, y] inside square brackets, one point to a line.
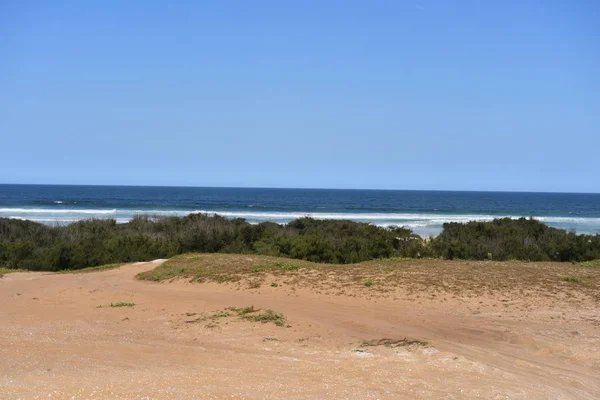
[416, 221]
[413, 217]
[349, 216]
[56, 211]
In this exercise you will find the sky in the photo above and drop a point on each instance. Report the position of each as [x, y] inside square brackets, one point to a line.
[433, 95]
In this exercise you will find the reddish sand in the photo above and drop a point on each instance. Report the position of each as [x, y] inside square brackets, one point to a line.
[57, 344]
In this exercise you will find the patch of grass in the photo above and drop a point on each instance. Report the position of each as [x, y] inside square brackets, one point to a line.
[395, 259]
[219, 314]
[220, 268]
[243, 310]
[122, 304]
[590, 264]
[395, 343]
[455, 277]
[274, 284]
[160, 274]
[369, 283]
[572, 279]
[287, 266]
[222, 314]
[403, 259]
[9, 270]
[266, 316]
[118, 304]
[256, 315]
[104, 267]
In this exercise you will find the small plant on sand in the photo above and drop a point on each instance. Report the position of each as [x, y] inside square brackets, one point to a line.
[243, 310]
[274, 284]
[266, 316]
[591, 264]
[8, 270]
[369, 283]
[406, 342]
[287, 266]
[221, 314]
[572, 279]
[118, 304]
[122, 304]
[254, 314]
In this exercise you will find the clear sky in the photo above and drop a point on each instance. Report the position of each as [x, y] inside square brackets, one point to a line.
[422, 94]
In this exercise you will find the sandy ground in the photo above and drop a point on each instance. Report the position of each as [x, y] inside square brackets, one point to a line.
[57, 343]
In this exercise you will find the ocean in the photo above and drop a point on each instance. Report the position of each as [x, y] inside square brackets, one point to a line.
[422, 211]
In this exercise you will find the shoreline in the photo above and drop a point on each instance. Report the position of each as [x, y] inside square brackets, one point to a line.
[424, 224]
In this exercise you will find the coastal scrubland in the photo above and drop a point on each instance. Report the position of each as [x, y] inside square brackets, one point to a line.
[97, 242]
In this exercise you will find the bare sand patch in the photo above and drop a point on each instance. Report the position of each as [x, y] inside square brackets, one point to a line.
[426, 330]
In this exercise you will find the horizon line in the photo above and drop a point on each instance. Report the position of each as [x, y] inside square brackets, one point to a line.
[296, 188]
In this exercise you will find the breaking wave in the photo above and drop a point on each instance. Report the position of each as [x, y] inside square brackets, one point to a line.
[428, 223]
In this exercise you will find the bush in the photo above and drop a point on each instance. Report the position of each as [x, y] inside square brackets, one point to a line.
[34, 246]
[508, 239]
[89, 243]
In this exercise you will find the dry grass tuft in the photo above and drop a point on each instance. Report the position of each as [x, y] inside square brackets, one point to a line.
[9, 270]
[118, 304]
[244, 313]
[395, 343]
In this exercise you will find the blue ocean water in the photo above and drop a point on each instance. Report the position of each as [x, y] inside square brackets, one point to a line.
[422, 211]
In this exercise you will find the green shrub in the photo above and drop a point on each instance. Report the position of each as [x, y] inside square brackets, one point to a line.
[509, 239]
[33, 246]
[89, 243]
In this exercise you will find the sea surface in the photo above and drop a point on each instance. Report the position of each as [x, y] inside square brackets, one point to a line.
[422, 211]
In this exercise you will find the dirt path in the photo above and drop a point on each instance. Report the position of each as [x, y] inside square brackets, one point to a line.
[177, 343]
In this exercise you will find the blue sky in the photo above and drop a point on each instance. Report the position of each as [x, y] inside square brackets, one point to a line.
[465, 95]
